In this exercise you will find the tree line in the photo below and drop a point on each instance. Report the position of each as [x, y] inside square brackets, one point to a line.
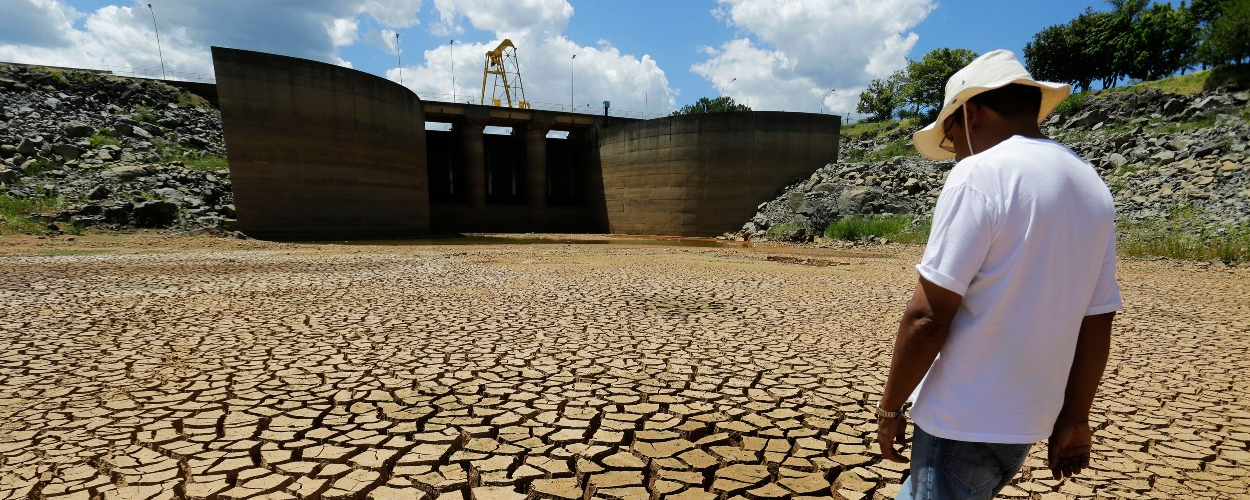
[1136, 40]
[1140, 41]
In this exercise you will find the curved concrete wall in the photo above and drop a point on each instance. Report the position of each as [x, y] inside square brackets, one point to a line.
[704, 175]
[319, 151]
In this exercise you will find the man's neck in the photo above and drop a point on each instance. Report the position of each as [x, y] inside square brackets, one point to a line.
[1007, 129]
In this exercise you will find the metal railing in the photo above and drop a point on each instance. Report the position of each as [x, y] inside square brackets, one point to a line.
[156, 74]
[586, 109]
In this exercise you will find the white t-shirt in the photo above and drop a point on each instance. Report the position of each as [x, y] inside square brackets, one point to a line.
[1025, 232]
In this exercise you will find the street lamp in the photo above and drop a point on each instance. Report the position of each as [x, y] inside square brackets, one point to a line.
[453, 69]
[822, 100]
[731, 82]
[399, 59]
[571, 59]
[158, 41]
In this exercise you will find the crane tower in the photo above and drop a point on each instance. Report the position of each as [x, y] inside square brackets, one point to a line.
[502, 63]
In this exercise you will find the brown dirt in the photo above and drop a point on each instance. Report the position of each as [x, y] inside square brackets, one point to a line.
[147, 366]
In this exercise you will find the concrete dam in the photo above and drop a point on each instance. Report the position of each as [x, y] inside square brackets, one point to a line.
[322, 152]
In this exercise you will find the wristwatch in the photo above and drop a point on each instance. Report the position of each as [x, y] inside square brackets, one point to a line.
[881, 413]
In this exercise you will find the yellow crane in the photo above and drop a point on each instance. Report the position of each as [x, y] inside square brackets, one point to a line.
[502, 63]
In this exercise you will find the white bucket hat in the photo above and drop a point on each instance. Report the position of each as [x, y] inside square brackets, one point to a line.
[988, 72]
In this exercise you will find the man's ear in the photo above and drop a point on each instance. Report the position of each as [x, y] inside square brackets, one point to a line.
[975, 113]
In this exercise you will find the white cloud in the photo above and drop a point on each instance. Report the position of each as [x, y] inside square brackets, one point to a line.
[602, 73]
[793, 52]
[43, 31]
[510, 18]
[392, 13]
[389, 41]
[118, 37]
[551, 77]
[39, 22]
[343, 32]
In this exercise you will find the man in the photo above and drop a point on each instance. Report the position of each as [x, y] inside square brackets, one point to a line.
[1009, 325]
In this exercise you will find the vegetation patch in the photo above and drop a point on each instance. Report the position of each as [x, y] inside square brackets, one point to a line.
[23, 215]
[1183, 234]
[1072, 105]
[104, 137]
[874, 129]
[39, 166]
[1235, 76]
[144, 114]
[208, 162]
[896, 228]
[170, 151]
[787, 231]
[194, 100]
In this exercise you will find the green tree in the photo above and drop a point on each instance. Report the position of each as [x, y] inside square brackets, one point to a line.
[722, 104]
[1226, 39]
[926, 78]
[1049, 55]
[1205, 12]
[883, 97]
[1162, 41]
[1079, 52]
[1098, 38]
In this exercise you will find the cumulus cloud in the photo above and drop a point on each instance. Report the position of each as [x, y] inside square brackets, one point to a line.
[121, 36]
[793, 52]
[39, 22]
[391, 13]
[343, 32]
[51, 32]
[511, 18]
[552, 78]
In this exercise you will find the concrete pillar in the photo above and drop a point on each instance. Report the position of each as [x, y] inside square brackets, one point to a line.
[474, 163]
[536, 166]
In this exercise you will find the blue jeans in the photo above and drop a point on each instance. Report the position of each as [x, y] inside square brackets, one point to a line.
[946, 469]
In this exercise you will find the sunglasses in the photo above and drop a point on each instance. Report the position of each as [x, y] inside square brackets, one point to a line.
[948, 143]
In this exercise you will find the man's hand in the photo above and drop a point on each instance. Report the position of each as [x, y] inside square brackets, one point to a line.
[1070, 445]
[890, 431]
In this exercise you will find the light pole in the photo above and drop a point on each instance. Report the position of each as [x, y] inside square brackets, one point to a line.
[453, 69]
[399, 59]
[158, 41]
[731, 82]
[571, 59]
[822, 100]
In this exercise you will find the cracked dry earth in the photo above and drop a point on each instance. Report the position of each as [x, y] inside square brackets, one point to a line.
[260, 370]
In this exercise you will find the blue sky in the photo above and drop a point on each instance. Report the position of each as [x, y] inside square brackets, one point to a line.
[643, 55]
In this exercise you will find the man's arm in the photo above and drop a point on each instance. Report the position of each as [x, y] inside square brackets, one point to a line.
[1071, 440]
[921, 334]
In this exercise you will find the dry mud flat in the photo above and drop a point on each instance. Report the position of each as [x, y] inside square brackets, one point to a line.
[215, 369]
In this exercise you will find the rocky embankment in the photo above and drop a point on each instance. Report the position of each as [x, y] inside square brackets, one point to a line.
[1158, 152]
[118, 153]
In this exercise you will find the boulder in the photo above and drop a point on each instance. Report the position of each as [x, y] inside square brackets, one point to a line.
[78, 129]
[156, 213]
[100, 192]
[67, 151]
[1173, 107]
[30, 145]
[1115, 160]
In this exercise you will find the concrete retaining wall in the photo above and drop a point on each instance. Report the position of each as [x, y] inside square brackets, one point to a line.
[704, 175]
[319, 151]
